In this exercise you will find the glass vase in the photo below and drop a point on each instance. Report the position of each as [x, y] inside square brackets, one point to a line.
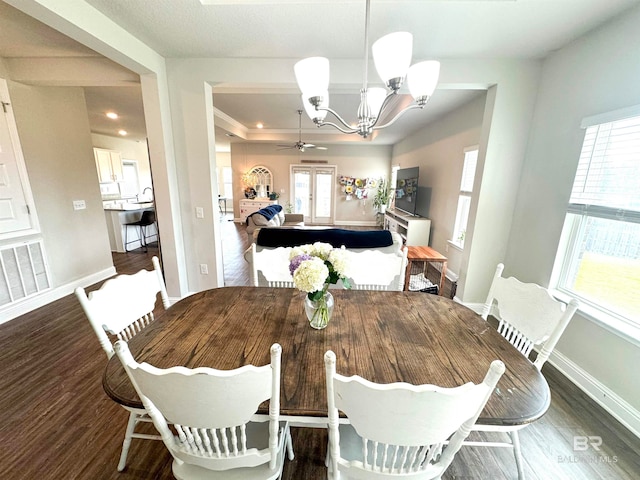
[319, 311]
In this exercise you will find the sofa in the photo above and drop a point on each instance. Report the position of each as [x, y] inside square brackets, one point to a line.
[384, 241]
[271, 216]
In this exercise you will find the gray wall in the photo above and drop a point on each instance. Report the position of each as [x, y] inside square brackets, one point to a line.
[597, 73]
[54, 132]
[438, 150]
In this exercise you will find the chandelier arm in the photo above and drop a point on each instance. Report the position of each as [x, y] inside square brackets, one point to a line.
[340, 119]
[400, 113]
[322, 123]
[385, 102]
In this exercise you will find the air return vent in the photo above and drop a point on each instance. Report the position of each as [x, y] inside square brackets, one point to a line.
[23, 272]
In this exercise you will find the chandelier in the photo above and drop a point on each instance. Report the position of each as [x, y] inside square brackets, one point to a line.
[392, 57]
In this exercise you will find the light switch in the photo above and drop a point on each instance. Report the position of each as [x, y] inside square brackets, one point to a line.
[199, 212]
[79, 205]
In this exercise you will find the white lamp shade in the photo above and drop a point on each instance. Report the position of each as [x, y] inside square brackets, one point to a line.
[423, 78]
[392, 55]
[375, 97]
[311, 110]
[312, 75]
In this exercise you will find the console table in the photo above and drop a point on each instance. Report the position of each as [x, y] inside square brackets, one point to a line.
[425, 255]
[413, 230]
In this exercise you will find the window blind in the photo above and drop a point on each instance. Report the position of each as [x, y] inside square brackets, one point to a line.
[607, 182]
[468, 171]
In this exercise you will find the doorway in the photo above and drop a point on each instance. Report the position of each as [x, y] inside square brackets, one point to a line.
[313, 192]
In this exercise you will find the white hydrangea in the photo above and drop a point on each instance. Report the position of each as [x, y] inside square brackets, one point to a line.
[301, 250]
[322, 250]
[311, 275]
[340, 258]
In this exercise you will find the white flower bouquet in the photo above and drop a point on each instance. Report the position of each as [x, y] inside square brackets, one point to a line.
[314, 268]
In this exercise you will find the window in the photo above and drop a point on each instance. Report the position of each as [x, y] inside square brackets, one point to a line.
[130, 185]
[227, 186]
[464, 199]
[599, 258]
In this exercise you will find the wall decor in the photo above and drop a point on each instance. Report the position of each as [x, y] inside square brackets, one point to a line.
[356, 186]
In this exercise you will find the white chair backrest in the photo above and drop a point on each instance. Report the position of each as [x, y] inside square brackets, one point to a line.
[211, 410]
[124, 305]
[528, 315]
[270, 267]
[403, 428]
[376, 270]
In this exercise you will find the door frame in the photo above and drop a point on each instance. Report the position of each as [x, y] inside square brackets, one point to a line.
[20, 165]
[313, 169]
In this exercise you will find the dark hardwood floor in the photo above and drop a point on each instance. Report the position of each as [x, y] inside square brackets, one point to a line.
[57, 423]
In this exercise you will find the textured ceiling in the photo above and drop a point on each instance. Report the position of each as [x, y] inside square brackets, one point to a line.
[292, 29]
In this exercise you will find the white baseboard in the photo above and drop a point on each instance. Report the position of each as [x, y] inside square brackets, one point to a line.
[599, 393]
[362, 223]
[37, 301]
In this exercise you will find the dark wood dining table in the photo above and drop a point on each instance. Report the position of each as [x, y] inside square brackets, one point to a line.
[384, 337]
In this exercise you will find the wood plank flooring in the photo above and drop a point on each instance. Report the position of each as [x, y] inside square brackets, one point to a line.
[56, 421]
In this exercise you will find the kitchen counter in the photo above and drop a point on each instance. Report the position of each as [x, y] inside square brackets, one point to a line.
[117, 215]
[121, 206]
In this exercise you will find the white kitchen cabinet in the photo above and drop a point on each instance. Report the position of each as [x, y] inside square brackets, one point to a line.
[109, 165]
[249, 206]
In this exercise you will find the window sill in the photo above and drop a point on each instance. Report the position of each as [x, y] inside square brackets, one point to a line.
[455, 245]
[615, 325]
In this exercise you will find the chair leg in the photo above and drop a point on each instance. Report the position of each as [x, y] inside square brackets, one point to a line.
[143, 240]
[517, 453]
[131, 425]
[289, 445]
[126, 236]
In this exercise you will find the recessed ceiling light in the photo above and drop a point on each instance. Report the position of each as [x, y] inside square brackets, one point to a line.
[122, 132]
[229, 134]
[112, 115]
[259, 125]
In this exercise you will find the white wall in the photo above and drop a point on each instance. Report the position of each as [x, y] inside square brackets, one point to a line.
[438, 150]
[353, 161]
[597, 73]
[54, 132]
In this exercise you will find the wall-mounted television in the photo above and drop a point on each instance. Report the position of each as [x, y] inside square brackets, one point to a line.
[407, 189]
[410, 198]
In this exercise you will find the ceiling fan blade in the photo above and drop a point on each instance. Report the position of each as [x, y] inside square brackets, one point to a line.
[321, 148]
[309, 145]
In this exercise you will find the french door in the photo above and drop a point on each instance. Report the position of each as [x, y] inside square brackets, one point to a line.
[313, 192]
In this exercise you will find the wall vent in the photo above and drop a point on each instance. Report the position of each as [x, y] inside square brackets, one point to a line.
[23, 272]
[314, 161]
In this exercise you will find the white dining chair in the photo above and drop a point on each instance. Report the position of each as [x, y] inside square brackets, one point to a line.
[376, 270]
[270, 267]
[399, 430]
[530, 318]
[123, 307]
[207, 417]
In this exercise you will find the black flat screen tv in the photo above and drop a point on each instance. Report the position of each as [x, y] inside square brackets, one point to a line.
[407, 189]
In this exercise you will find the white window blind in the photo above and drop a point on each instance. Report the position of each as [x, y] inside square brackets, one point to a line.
[607, 183]
[469, 171]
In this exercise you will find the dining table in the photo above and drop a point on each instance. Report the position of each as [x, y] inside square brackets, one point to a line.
[384, 337]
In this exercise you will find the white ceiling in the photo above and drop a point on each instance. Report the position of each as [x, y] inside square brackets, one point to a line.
[292, 29]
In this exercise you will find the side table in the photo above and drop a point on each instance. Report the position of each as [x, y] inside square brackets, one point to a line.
[425, 255]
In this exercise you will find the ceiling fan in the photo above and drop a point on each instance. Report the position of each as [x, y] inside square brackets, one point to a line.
[300, 145]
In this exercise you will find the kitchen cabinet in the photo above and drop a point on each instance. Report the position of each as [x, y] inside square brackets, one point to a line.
[109, 165]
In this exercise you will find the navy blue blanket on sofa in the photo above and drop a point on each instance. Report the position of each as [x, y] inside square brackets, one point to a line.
[267, 212]
[337, 237]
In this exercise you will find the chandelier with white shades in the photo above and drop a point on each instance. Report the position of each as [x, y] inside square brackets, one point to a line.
[392, 57]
